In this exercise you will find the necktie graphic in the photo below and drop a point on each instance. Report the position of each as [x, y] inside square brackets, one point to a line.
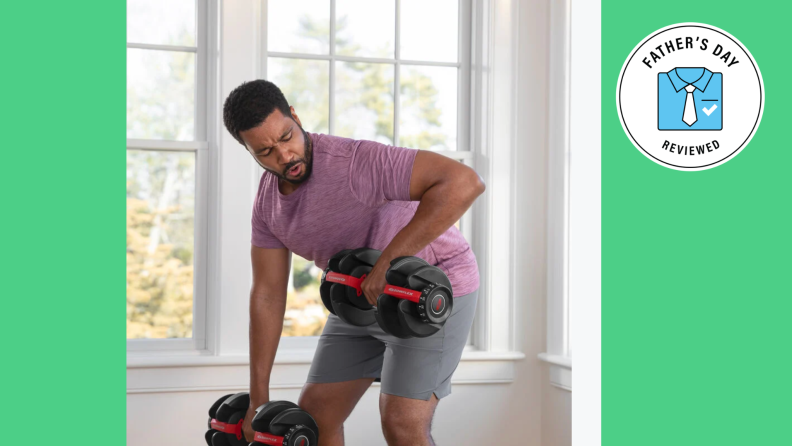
[689, 115]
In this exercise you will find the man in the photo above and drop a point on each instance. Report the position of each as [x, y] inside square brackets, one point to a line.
[321, 194]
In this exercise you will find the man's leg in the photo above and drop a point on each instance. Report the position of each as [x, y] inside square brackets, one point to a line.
[330, 404]
[417, 372]
[407, 421]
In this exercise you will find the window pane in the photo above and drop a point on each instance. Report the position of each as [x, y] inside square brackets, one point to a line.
[437, 16]
[305, 315]
[160, 217]
[364, 101]
[298, 27]
[160, 94]
[160, 22]
[306, 85]
[366, 28]
[428, 113]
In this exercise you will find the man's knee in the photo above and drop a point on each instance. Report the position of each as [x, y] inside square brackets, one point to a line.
[331, 403]
[321, 409]
[404, 428]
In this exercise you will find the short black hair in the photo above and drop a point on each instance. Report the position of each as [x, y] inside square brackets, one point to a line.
[249, 104]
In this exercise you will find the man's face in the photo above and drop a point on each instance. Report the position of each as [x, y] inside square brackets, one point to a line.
[281, 146]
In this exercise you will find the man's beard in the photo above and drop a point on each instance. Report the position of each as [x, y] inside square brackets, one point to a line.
[307, 162]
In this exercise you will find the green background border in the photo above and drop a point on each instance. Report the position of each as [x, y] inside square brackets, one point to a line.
[695, 294]
[62, 176]
[695, 274]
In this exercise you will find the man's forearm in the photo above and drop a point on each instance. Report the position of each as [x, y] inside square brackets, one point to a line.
[440, 207]
[266, 325]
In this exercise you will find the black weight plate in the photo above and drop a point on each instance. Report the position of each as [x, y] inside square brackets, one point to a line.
[387, 317]
[398, 272]
[324, 293]
[209, 435]
[367, 256]
[353, 315]
[302, 436]
[446, 312]
[234, 403]
[348, 312]
[412, 323]
[399, 259]
[216, 405]
[333, 262]
[358, 257]
[338, 295]
[350, 261]
[288, 418]
[220, 439]
[358, 301]
[267, 412]
[418, 279]
[423, 276]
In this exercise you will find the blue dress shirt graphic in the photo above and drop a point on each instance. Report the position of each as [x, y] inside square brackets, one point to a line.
[707, 97]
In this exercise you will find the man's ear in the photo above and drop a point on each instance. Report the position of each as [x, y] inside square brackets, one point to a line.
[294, 116]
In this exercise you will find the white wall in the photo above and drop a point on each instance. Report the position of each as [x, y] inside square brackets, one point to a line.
[526, 412]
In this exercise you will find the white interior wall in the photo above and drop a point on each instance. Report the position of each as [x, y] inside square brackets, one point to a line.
[528, 411]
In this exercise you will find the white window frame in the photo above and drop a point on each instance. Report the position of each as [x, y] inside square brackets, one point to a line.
[233, 173]
[201, 148]
[573, 243]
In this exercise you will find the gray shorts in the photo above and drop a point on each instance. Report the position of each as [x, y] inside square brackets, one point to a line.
[411, 368]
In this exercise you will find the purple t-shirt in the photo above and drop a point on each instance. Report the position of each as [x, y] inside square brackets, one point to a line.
[358, 195]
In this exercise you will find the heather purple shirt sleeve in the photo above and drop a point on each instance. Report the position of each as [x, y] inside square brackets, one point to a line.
[381, 172]
[262, 236]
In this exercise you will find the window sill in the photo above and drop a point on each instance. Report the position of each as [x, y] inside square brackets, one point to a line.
[293, 356]
[560, 370]
[202, 372]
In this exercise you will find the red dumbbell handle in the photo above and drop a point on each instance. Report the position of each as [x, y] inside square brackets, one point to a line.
[391, 290]
[236, 429]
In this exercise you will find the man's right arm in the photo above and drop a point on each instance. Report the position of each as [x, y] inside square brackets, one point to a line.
[267, 308]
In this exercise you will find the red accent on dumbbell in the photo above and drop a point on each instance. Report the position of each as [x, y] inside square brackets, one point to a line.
[265, 438]
[235, 429]
[403, 293]
[343, 279]
[391, 290]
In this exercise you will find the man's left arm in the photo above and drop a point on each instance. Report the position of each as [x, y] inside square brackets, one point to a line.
[445, 189]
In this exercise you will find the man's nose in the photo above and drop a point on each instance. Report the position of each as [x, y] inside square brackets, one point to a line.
[285, 156]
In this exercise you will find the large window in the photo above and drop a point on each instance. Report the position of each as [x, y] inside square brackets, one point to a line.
[365, 70]
[392, 87]
[166, 171]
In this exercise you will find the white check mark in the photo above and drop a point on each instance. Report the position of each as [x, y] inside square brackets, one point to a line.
[711, 109]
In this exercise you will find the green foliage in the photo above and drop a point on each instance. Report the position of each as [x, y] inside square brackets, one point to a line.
[302, 277]
[159, 285]
[160, 203]
[367, 86]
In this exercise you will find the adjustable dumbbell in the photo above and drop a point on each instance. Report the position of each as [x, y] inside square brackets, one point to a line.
[417, 300]
[415, 303]
[283, 423]
[212, 415]
[225, 420]
[280, 423]
[340, 288]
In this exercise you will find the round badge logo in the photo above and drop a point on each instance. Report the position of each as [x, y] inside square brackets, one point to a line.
[690, 96]
[438, 304]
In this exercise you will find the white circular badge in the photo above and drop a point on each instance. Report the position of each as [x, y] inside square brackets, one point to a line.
[690, 96]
